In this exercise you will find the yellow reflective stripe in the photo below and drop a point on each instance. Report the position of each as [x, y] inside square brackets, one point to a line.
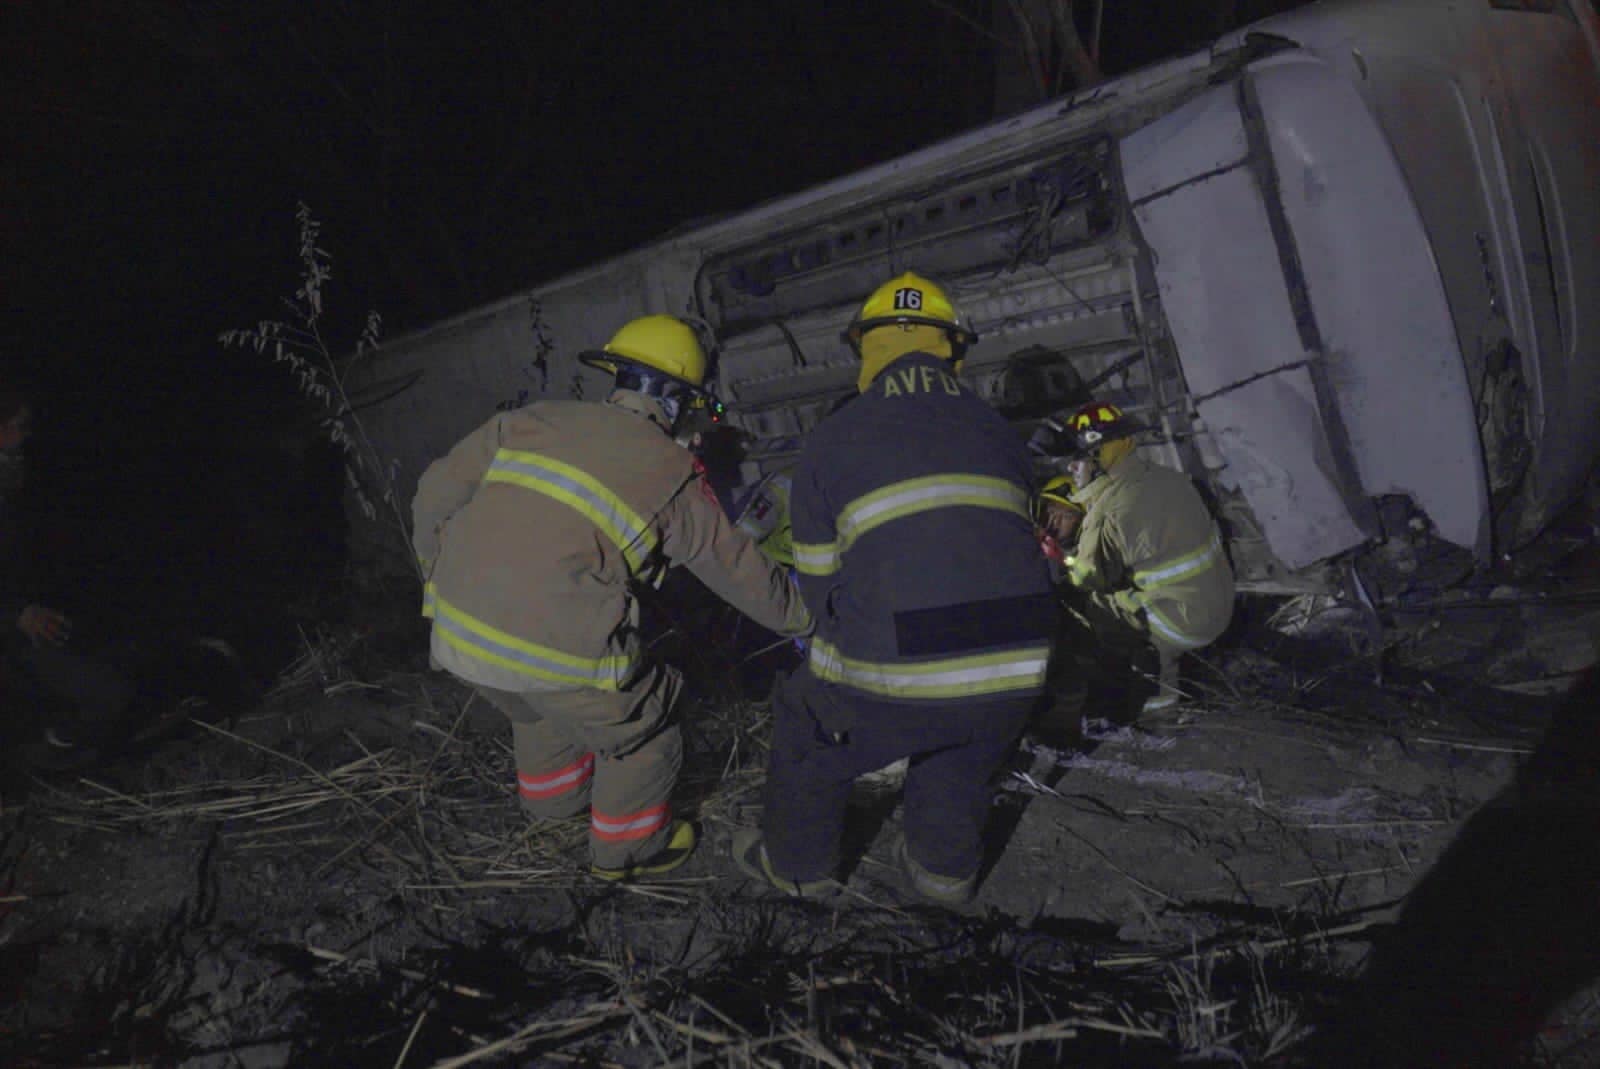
[1185, 566]
[953, 677]
[1079, 569]
[489, 644]
[1164, 627]
[429, 598]
[1128, 600]
[778, 548]
[899, 500]
[573, 487]
[816, 558]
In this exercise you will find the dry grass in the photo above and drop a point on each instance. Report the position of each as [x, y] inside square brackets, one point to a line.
[767, 983]
[883, 989]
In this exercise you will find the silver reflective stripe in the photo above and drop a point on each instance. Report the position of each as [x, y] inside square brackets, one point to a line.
[819, 558]
[912, 496]
[573, 487]
[899, 500]
[1163, 627]
[640, 825]
[560, 781]
[947, 678]
[527, 660]
[1183, 567]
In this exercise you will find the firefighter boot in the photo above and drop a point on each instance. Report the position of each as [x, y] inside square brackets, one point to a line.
[1168, 694]
[750, 855]
[680, 844]
[942, 890]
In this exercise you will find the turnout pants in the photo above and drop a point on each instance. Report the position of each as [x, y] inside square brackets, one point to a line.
[613, 754]
[1125, 663]
[825, 735]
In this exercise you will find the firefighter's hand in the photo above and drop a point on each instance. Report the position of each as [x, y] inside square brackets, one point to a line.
[44, 627]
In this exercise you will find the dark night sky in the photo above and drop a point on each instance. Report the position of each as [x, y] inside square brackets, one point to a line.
[453, 152]
[155, 151]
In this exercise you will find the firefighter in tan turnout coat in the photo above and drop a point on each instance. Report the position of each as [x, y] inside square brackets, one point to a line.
[536, 533]
[1148, 569]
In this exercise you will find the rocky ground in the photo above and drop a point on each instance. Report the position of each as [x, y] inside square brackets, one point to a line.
[1307, 864]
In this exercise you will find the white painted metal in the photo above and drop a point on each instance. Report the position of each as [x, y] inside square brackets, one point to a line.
[1388, 341]
[1494, 116]
[1227, 303]
[1436, 181]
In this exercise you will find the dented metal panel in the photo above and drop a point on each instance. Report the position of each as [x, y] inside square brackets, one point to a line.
[1493, 112]
[1388, 345]
[1227, 303]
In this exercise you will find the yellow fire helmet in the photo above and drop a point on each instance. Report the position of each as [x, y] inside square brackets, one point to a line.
[910, 298]
[1058, 490]
[661, 342]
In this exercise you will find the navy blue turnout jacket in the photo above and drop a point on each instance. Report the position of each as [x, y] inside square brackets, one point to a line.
[914, 541]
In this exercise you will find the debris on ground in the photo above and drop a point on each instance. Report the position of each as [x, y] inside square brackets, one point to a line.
[340, 875]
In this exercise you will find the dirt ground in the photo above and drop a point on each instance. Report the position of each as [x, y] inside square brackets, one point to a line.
[1306, 865]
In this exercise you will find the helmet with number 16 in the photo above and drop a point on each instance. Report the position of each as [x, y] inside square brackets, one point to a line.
[910, 300]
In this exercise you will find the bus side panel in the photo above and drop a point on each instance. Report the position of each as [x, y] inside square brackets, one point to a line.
[1547, 103]
[1380, 311]
[1223, 292]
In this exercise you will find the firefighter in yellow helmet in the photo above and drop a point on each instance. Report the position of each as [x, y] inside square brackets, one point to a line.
[1058, 517]
[914, 544]
[536, 533]
[924, 321]
[1147, 570]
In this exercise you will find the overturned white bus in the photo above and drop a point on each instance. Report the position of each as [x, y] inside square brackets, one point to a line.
[1342, 264]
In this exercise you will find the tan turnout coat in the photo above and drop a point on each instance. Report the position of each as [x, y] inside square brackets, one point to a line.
[1148, 542]
[535, 531]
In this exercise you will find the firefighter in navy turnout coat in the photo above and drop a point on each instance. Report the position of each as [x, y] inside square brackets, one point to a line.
[934, 615]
